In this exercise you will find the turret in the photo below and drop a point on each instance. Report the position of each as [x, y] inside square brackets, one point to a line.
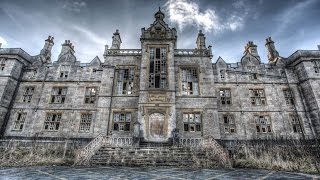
[201, 41]
[45, 53]
[252, 49]
[116, 40]
[272, 52]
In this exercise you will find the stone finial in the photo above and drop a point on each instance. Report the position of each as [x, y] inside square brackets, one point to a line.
[318, 47]
[0, 45]
[159, 15]
[201, 41]
[116, 40]
[272, 52]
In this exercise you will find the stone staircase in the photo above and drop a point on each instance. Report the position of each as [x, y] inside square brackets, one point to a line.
[157, 154]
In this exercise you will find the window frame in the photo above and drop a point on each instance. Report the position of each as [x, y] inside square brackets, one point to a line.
[122, 123]
[85, 122]
[125, 81]
[61, 96]
[254, 97]
[88, 97]
[192, 125]
[296, 123]
[316, 66]
[189, 81]
[224, 98]
[53, 122]
[19, 121]
[288, 96]
[158, 68]
[27, 96]
[64, 71]
[261, 122]
[3, 62]
[229, 123]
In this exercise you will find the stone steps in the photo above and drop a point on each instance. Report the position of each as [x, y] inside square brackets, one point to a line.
[149, 156]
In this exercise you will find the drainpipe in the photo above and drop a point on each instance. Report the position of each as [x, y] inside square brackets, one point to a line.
[110, 107]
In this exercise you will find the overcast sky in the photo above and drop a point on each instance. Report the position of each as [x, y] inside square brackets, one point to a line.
[228, 24]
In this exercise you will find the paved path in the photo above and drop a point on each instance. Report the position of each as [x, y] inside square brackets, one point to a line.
[117, 173]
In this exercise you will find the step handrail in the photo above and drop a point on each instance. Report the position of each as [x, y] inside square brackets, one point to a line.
[89, 150]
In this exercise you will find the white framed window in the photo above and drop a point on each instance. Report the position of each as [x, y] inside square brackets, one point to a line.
[27, 94]
[190, 83]
[19, 121]
[192, 122]
[85, 122]
[58, 95]
[52, 122]
[122, 121]
[263, 123]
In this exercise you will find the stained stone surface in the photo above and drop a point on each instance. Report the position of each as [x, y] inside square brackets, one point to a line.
[62, 172]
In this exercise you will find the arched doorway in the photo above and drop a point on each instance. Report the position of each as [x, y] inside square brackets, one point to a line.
[156, 127]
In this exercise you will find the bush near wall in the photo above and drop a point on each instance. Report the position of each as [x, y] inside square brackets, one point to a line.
[34, 153]
[289, 155]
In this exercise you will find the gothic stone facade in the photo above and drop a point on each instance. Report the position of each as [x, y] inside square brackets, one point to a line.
[159, 91]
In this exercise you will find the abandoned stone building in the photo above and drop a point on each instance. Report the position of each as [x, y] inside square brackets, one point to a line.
[159, 92]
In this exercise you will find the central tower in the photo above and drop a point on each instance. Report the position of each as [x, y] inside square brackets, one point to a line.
[157, 114]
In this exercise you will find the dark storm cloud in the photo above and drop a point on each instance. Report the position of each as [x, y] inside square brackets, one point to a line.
[228, 25]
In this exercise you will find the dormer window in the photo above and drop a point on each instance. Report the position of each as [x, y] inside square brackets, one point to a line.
[64, 71]
[157, 68]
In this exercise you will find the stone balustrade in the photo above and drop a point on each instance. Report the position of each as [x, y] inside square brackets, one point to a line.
[191, 142]
[122, 52]
[88, 151]
[121, 141]
[192, 52]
